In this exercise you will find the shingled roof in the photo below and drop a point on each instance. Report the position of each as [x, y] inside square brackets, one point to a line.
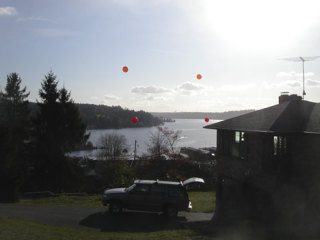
[290, 116]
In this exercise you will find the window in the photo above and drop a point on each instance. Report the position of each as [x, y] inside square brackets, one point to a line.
[279, 145]
[242, 136]
[243, 146]
[157, 189]
[176, 191]
[130, 188]
[238, 146]
[237, 136]
[275, 145]
[141, 189]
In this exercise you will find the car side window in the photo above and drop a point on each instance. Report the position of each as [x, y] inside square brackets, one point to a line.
[174, 191]
[157, 189]
[140, 189]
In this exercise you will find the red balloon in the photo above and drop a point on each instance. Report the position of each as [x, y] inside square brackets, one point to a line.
[199, 76]
[207, 119]
[125, 69]
[134, 119]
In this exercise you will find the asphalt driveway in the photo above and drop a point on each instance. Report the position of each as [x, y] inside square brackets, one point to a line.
[99, 218]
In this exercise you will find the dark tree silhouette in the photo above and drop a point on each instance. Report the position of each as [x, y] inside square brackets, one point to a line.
[14, 125]
[101, 116]
[58, 129]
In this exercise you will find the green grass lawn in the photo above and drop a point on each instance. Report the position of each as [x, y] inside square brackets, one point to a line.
[201, 201]
[14, 229]
[17, 229]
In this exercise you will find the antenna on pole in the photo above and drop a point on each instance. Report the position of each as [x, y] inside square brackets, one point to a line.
[301, 59]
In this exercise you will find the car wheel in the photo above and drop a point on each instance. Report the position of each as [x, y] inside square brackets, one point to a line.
[115, 207]
[171, 211]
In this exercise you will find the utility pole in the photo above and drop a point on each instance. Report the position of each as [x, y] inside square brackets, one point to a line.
[135, 150]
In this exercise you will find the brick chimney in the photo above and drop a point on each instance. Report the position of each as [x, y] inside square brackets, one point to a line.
[285, 97]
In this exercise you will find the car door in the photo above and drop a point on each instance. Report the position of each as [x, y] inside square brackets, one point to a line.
[177, 196]
[155, 199]
[136, 199]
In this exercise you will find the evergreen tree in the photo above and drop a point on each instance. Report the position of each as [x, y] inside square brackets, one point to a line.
[73, 129]
[58, 129]
[14, 123]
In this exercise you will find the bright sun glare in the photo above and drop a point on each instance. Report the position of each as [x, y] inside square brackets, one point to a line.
[259, 25]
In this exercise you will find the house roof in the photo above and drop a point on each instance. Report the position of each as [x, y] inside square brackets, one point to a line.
[290, 116]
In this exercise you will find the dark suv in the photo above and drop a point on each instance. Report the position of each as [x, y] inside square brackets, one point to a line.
[151, 195]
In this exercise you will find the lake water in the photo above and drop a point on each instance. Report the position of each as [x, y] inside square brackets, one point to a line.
[192, 135]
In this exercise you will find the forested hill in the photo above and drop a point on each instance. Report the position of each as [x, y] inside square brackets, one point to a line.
[200, 115]
[104, 117]
[101, 116]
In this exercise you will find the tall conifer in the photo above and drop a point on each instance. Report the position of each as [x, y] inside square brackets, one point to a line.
[14, 126]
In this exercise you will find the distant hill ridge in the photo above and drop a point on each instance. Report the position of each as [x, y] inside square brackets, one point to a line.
[109, 117]
[200, 115]
[106, 117]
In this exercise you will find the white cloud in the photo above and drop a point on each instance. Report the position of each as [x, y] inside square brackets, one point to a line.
[158, 98]
[7, 11]
[94, 98]
[313, 83]
[163, 51]
[111, 97]
[293, 84]
[191, 89]
[288, 83]
[150, 98]
[295, 80]
[284, 74]
[293, 74]
[189, 86]
[36, 19]
[150, 90]
[139, 3]
[307, 74]
[236, 87]
[53, 32]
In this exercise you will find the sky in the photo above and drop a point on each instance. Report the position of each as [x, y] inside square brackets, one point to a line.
[237, 46]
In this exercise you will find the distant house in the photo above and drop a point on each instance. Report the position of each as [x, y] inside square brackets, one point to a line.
[269, 167]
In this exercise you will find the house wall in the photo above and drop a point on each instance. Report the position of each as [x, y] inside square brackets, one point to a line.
[256, 164]
[297, 198]
[244, 186]
[283, 189]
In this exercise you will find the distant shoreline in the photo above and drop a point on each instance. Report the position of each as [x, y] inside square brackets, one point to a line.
[200, 115]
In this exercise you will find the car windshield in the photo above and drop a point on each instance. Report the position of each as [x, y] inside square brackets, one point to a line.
[128, 189]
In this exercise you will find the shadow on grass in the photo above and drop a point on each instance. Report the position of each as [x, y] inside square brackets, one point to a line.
[133, 222]
[142, 222]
